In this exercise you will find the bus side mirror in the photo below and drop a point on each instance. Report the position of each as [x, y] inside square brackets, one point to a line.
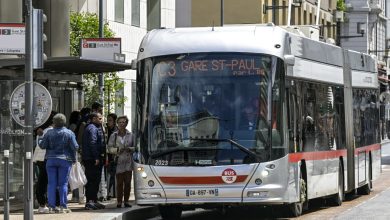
[289, 60]
[134, 64]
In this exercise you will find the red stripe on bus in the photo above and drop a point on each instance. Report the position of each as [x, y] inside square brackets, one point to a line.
[319, 155]
[191, 180]
[12, 25]
[368, 148]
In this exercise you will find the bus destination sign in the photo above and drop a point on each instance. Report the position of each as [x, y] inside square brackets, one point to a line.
[235, 67]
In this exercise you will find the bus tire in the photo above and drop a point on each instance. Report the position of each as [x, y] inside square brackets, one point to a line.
[339, 197]
[296, 208]
[170, 212]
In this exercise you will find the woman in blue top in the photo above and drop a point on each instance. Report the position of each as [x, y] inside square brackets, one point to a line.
[61, 145]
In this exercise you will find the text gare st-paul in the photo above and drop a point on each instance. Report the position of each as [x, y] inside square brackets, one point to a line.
[237, 67]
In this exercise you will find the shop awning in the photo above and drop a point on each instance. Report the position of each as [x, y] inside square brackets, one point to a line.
[69, 65]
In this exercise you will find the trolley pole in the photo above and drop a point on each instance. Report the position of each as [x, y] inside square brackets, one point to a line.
[28, 129]
[6, 185]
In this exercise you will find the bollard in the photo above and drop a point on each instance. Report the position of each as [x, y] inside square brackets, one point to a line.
[6, 184]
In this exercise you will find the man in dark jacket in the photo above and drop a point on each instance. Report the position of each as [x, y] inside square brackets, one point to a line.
[92, 155]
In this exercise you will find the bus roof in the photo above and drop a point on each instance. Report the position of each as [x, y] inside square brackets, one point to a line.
[262, 39]
[267, 39]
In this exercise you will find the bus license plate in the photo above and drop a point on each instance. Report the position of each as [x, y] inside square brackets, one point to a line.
[201, 192]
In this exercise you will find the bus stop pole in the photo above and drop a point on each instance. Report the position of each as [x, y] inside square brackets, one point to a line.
[101, 35]
[6, 185]
[28, 119]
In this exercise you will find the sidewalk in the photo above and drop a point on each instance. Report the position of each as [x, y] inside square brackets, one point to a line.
[111, 212]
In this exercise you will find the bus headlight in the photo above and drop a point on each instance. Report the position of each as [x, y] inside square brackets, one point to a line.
[265, 173]
[144, 175]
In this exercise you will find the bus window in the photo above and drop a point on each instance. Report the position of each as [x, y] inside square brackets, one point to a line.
[366, 119]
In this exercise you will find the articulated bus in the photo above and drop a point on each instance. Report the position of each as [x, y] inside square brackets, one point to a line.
[252, 115]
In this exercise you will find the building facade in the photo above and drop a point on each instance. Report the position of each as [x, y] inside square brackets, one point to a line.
[364, 27]
[200, 13]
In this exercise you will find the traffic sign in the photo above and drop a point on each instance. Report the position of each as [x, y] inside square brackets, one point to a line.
[42, 104]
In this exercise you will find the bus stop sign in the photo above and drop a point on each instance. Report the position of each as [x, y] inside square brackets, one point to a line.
[42, 104]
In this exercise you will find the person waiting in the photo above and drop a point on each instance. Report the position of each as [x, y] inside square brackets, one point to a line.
[121, 144]
[61, 145]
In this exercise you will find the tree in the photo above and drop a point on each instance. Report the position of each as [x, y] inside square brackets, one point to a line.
[86, 25]
[340, 5]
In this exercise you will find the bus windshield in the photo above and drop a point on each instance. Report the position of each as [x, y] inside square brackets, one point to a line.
[210, 109]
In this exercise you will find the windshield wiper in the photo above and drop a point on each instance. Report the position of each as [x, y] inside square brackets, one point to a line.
[176, 149]
[239, 146]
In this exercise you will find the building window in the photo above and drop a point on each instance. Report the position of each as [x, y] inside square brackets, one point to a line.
[154, 14]
[135, 13]
[119, 11]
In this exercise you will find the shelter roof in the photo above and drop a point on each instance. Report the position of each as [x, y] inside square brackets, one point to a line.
[69, 65]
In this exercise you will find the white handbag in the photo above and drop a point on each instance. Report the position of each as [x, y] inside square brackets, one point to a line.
[77, 176]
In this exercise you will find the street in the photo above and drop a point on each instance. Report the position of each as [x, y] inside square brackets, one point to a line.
[373, 206]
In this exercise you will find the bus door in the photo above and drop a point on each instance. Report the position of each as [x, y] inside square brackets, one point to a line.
[293, 116]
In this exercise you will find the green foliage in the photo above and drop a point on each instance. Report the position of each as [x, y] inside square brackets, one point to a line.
[341, 5]
[86, 25]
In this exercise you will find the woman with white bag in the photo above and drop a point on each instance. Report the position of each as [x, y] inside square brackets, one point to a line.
[61, 145]
[77, 178]
[121, 145]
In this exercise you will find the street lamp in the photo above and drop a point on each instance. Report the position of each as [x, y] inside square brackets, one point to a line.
[360, 31]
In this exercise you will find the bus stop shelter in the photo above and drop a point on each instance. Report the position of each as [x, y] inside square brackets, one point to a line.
[63, 77]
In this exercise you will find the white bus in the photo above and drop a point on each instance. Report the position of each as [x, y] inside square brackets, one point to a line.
[252, 115]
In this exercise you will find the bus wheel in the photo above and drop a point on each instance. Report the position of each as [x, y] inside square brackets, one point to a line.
[296, 208]
[170, 212]
[339, 197]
